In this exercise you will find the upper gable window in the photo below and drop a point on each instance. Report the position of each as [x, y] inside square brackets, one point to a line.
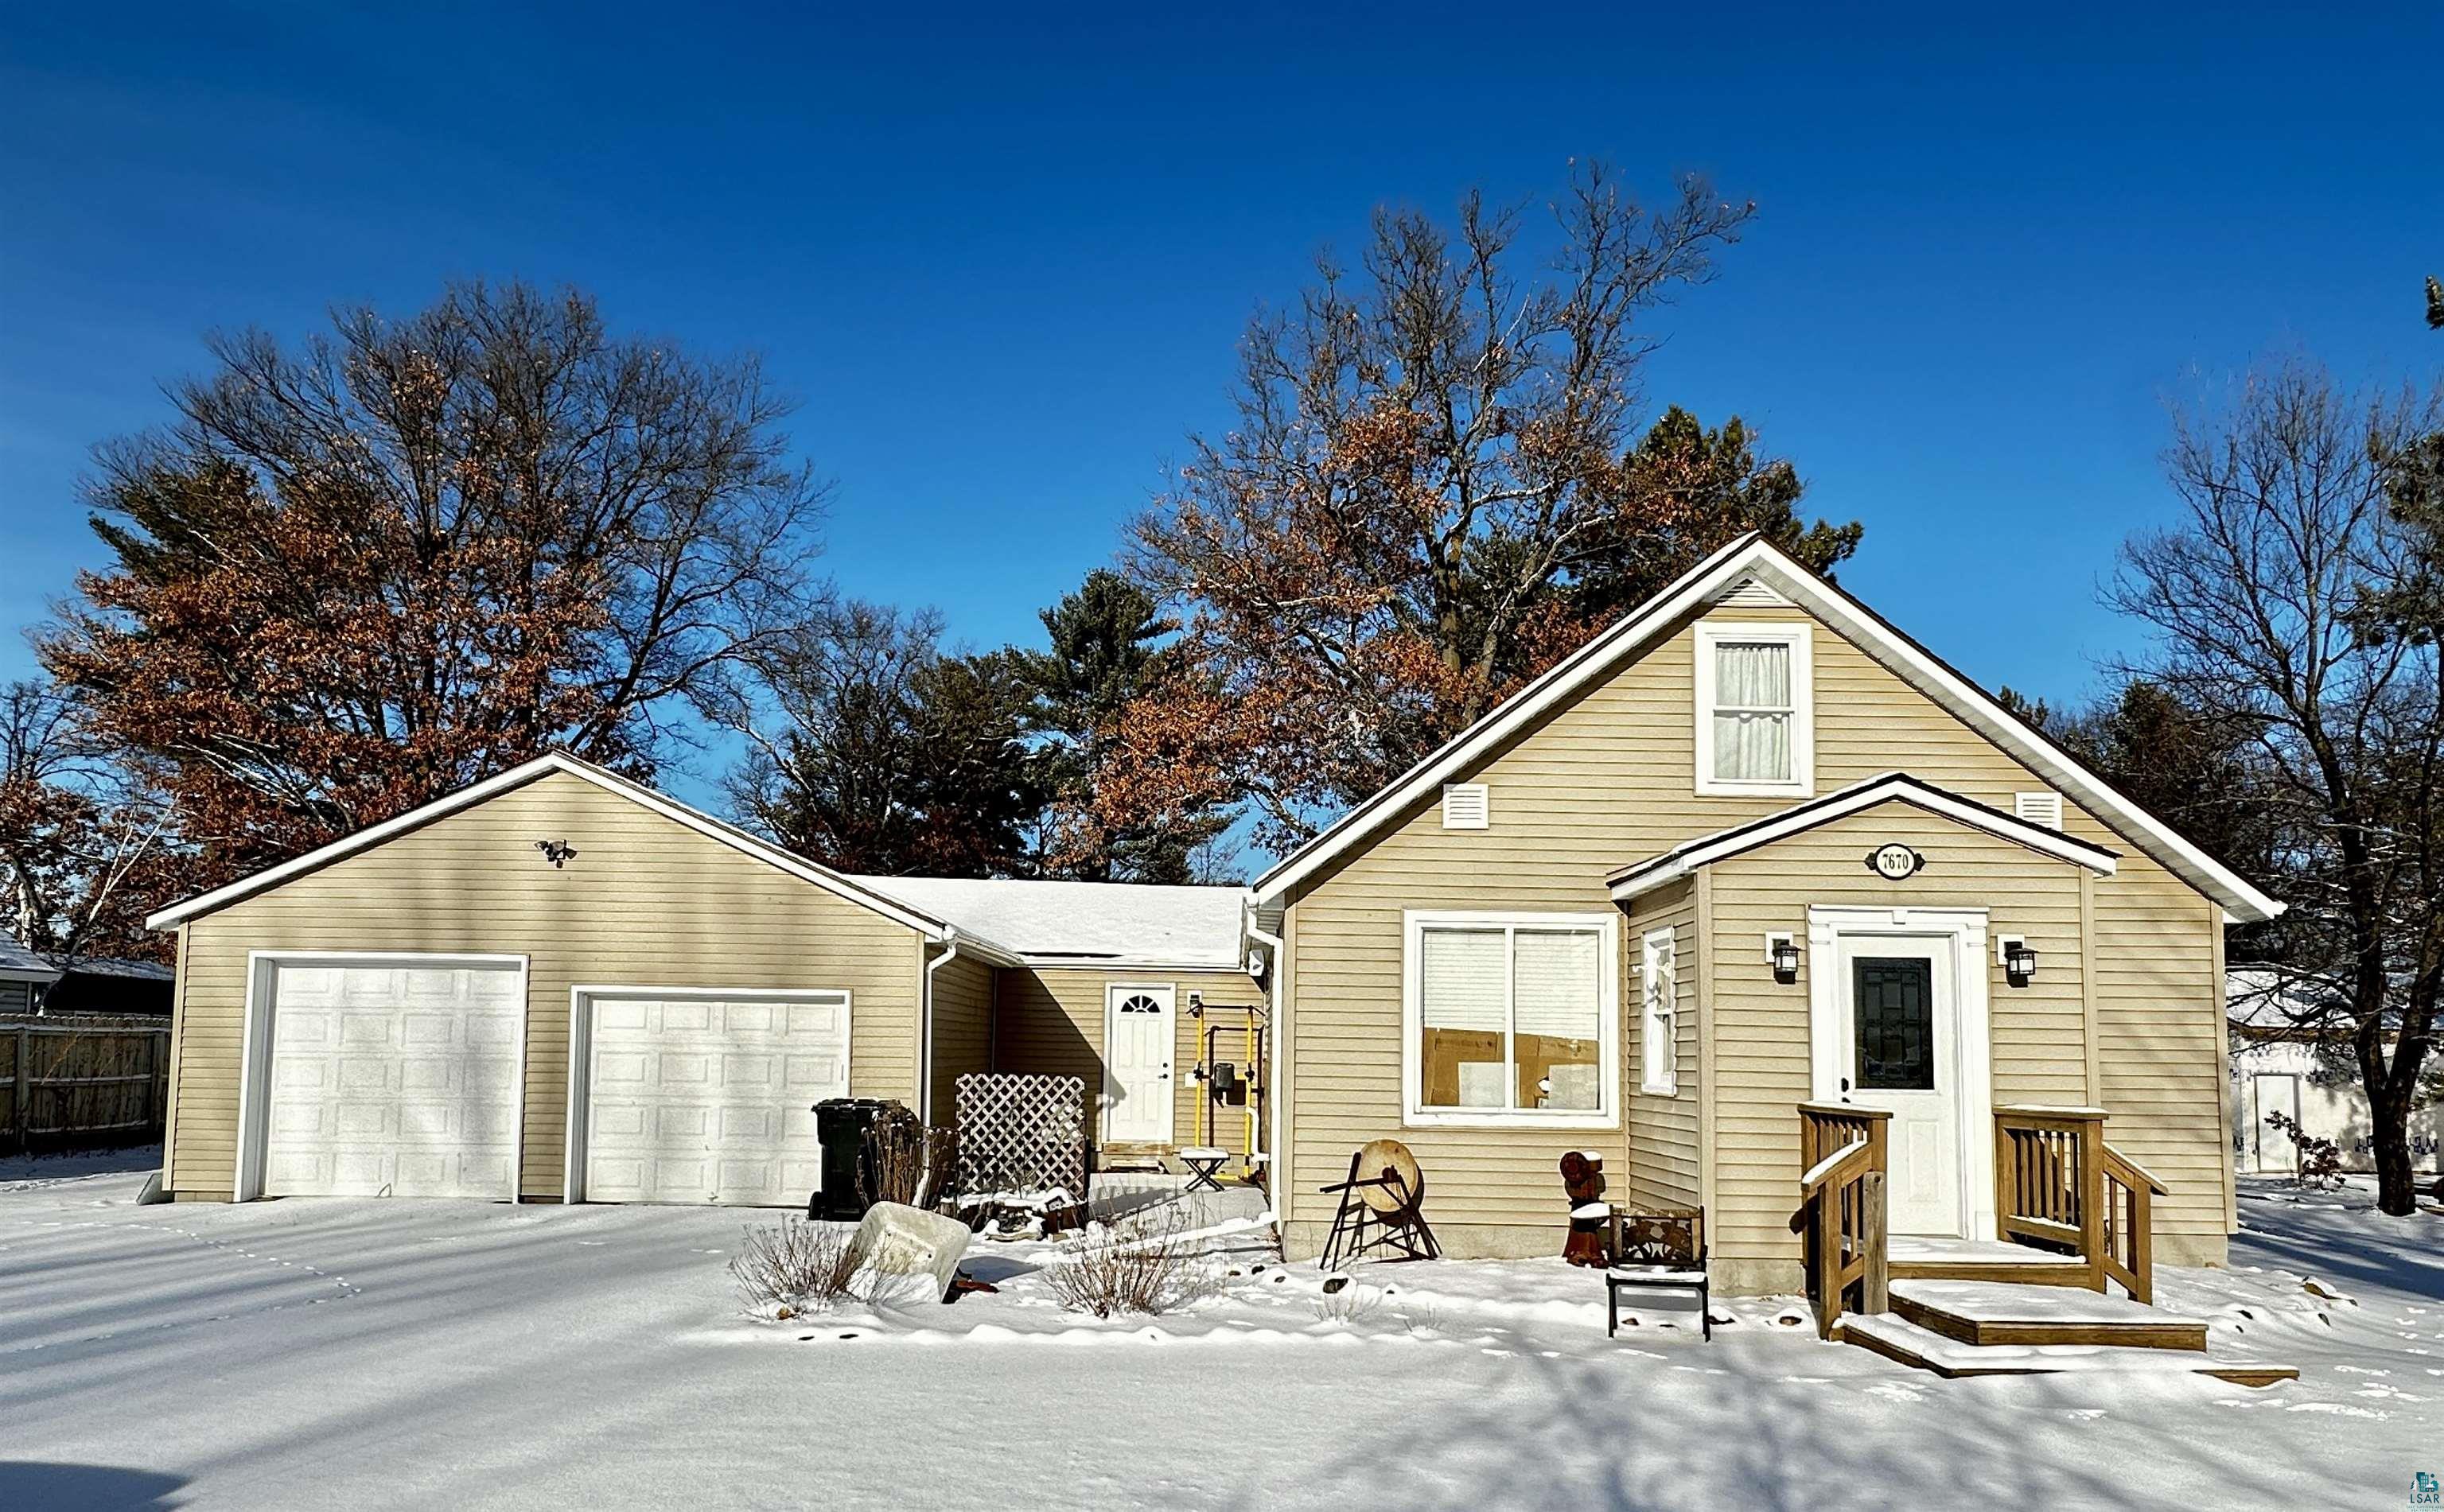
[1755, 709]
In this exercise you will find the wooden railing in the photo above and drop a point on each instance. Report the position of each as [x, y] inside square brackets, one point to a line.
[1841, 1216]
[2129, 1250]
[2058, 1185]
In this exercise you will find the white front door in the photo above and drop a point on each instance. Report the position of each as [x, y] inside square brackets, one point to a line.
[1900, 1023]
[1137, 1064]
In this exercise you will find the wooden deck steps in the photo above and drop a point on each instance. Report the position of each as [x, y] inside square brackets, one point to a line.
[1961, 1328]
[1915, 1258]
[2017, 1313]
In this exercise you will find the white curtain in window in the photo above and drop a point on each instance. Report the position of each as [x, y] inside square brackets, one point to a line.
[1752, 712]
[1560, 983]
[1460, 979]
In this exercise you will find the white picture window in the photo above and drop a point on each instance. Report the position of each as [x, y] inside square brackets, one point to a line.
[1755, 709]
[1511, 1018]
[1659, 1015]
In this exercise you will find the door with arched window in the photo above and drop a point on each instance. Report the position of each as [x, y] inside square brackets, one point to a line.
[1136, 1064]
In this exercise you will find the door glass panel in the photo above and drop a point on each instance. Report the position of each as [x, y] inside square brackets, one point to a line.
[1893, 1009]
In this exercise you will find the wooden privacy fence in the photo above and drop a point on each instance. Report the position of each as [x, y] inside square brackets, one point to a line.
[68, 1081]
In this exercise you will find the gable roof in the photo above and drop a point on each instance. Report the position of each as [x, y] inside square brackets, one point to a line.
[1751, 563]
[17, 964]
[1688, 855]
[1086, 923]
[468, 797]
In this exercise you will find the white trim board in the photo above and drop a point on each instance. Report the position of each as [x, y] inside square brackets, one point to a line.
[1689, 856]
[581, 1048]
[254, 1048]
[1973, 1054]
[637, 793]
[1753, 556]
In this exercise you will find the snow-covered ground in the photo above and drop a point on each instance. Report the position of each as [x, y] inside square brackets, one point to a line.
[368, 1353]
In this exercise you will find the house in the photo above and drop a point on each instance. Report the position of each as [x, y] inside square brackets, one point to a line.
[1750, 860]
[1750, 848]
[417, 1008]
[2278, 1066]
[94, 985]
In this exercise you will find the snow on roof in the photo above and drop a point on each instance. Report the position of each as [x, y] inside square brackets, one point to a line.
[1089, 922]
[16, 961]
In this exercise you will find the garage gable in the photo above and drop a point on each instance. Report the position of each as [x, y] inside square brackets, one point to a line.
[553, 764]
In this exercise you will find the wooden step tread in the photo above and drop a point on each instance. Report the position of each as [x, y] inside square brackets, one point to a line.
[2007, 1313]
[1896, 1338]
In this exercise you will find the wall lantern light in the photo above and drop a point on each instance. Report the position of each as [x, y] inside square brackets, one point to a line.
[1782, 953]
[2018, 962]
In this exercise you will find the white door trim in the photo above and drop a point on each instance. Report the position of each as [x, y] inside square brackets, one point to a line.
[1168, 991]
[254, 1048]
[580, 1049]
[1972, 1065]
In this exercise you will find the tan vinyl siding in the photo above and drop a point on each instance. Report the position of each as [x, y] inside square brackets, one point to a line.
[963, 1009]
[1662, 1131]
[1607, 780]
[2037, 1032]
[644, 902]
[1050, 1023]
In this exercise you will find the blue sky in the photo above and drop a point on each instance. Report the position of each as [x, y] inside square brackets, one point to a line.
[1002, 260]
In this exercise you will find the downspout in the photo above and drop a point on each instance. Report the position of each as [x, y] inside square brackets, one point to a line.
[1276, 1156]
[925, 1039]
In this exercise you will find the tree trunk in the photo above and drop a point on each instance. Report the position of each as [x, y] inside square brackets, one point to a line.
[2396, 1178]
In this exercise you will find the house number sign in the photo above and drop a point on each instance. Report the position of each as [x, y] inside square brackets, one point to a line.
[1894, 862]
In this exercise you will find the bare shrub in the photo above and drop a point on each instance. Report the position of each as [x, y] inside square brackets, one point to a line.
[792, 1266]
[1351, 1304]
[905, 1162]
[1147, 1264]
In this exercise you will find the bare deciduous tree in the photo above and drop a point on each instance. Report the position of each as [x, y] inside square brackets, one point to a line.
[2268, 603]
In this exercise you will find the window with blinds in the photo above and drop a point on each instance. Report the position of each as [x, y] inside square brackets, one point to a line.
[1510, 1016]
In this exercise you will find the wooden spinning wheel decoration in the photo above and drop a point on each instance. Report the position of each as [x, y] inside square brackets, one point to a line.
[1382, 1207]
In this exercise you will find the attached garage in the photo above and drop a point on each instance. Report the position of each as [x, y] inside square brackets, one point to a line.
[556, 984]
[390, 1076]
[702, 1096]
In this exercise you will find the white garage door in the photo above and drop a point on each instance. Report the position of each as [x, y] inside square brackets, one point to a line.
[393, 1080]
[708, 1099]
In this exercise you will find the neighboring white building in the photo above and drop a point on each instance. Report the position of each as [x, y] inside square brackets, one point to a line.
[2276, 1069]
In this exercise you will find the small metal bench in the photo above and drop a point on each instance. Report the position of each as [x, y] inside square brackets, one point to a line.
[1663, 1249]
[1204, 1165]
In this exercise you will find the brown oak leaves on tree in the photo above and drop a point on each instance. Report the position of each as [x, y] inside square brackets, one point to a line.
[356, 576]
[1437, 487]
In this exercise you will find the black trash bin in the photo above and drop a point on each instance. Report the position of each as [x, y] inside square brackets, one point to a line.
[841, 1124]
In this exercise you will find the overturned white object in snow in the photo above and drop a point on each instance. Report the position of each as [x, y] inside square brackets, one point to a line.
[898, 1240]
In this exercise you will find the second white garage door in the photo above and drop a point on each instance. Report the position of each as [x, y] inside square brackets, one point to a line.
[708, 1098]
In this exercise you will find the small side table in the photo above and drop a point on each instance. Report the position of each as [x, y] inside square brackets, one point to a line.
[1204, 1165]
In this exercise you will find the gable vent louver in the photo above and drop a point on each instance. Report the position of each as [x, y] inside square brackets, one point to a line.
[1466, 805]
[2039, 808]
[1749, 594]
